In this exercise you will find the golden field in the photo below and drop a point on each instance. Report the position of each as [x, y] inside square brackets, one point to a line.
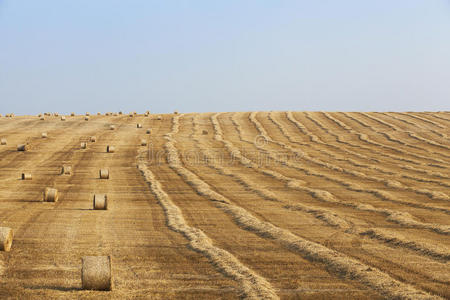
[259, 205]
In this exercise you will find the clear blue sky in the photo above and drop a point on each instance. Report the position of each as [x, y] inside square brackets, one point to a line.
[233, 55]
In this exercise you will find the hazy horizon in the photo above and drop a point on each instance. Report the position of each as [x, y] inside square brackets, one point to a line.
[204, 56]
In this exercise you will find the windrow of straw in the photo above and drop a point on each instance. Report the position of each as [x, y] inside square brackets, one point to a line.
[333, 260]
[251, 285]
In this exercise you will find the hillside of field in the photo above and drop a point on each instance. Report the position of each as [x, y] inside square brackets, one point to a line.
[260, 205]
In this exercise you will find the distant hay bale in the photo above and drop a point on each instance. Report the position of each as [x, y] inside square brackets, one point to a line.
[158, 118]
[26, 176]
[131, 115]
[100, 202]
[72, 114]
[83, 145]
[44, 135]
[134, 113]
[63, 118]
[96, 273]
[56, 114]
[143, 143]
[176, 112]
[22, 147]
[104, 174]
[107, 114]
[99, 114]
[112, 127]
[3, 142]
[115, 114]
[6, 238]
[120, 112]
[149, 131]
[42, 118]
[88, 114]
[110, 149]
[51, 195]
[204, 132]
[93, 139]
[86, 118]
[147, 113]
[138, 125]
[66, 170]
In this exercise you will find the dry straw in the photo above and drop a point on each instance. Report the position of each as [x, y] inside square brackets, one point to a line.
[3, 142]
[51, 195]
[22, 147]
[110, 149]
[104, 174]
[100, 202]
[44, 135]
[83, 145]
[93, 139]
[96, 273]
[66, 170]
[6, 238]
[26, 176]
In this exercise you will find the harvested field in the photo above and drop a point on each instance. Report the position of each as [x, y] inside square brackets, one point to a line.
[289, 205]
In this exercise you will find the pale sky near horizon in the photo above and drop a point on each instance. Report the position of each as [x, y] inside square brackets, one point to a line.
[105, 55]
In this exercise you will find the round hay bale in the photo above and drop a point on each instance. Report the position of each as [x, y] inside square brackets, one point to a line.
[72, 114]
[44, 135]
[93, 139]
[96, 273]
[42, 118]
[56, 114]
[130, 115]
[88, 114]
[99, 114]
[3, 142]
[176, 112]
[115, 114]
[26, 176]
[51, 195]
[138, 125]
[6, 238]
[22, 147]
[66, 170]
[100, 202]
[143, 143]
[112, 127]
[149, 131]
[63, 118]
[86, 118]
[120, 112]
[110, 149]
[204, 132]
[104, 174]
[83, 145]
[159, 118]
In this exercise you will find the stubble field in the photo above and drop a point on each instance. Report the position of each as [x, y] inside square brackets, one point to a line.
[262, 205]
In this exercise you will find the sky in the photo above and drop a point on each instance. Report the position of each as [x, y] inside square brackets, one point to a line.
[234, 55]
